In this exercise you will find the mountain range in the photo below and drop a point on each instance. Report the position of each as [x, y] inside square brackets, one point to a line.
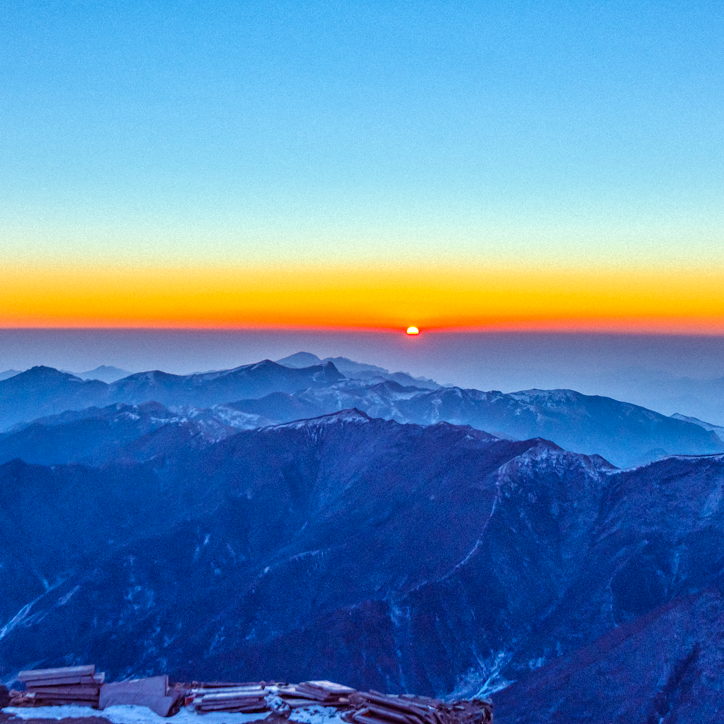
[44, 391]
[428, 558]
[358, 370]
[215, 404]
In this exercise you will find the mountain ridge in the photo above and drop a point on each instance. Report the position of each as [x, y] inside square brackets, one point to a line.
[268, 393]
[358, 370]
[426, 558]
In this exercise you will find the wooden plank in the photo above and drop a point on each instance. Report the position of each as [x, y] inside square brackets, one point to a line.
[390, 715]
[296, 694]
[365, 719]
[241, 696]
[316, 694]
[210, 698]
[232, 684]
[63, 690]
[61, 681]
[56, 673]
[299, 703]
[241, 689]
[231, 706]
[330, 686]
[394, 702]
[229, 702]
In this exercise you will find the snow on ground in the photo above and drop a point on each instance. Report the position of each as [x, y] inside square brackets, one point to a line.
[143, 715]
[316, 715]
[131, 715]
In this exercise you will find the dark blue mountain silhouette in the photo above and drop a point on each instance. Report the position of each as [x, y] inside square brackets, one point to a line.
[390, 556]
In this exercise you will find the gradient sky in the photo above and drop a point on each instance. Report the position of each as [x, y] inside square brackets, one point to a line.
[515, 165]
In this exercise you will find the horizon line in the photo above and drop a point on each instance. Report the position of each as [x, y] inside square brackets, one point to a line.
[631, 330]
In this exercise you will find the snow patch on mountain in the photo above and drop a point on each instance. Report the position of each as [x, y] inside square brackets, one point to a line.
[353, 416]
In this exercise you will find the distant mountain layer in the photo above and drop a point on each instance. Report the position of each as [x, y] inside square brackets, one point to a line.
[96, 436]
[7, 374]
[104, 373]
[702, 398]
[43, 391]
[269, 393]
[400, 557]
[718, 429]
[358, 370]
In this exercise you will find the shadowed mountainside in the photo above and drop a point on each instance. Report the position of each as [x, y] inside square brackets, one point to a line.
[390, 556]
[96, 436]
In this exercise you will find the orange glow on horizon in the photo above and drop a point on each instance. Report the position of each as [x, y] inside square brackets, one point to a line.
[500, 299]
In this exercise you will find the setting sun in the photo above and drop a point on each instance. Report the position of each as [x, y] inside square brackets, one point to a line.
[413, 330]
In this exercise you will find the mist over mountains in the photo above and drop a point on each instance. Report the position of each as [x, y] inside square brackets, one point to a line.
[327, 521]
[43, 391]
[666, 373]
[268, 393]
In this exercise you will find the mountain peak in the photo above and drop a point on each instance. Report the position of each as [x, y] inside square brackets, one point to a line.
[42, 372]
[104, 373]
[300, 359]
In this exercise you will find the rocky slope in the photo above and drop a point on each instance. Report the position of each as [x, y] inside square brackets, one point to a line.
[397, 557]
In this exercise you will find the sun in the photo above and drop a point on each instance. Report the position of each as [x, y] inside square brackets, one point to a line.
[413, 330]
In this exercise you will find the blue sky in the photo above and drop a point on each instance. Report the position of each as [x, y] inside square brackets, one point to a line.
[241, 130]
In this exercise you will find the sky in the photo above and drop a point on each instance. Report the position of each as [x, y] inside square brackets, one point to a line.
[364, 166]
